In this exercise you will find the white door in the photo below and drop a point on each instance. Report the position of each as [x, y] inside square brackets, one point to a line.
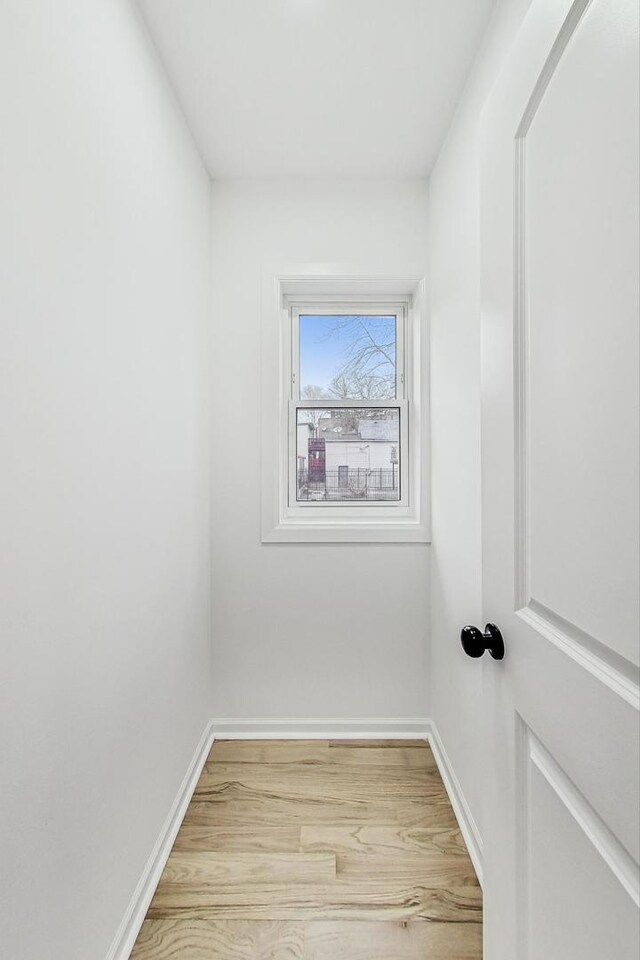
[560, 486]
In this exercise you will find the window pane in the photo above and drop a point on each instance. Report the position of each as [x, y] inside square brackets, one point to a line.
[348, 454]
[347, 357]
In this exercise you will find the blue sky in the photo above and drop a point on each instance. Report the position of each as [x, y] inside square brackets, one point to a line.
[322, 353]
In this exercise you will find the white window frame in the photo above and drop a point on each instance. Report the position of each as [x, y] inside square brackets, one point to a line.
[326, 306]
[287, 292]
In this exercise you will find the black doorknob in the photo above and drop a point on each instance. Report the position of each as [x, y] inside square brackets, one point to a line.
[474, 643]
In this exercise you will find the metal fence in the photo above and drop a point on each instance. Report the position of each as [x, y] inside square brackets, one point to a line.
[348, 483]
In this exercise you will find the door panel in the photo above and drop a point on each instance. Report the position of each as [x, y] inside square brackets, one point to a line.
[561, 486]
[589, 910]
[561, 701]
[580, 280]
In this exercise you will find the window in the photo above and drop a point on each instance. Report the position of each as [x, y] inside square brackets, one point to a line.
[347, 403]
[344, 441]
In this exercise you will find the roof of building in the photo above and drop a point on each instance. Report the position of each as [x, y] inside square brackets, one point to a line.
[341, 428]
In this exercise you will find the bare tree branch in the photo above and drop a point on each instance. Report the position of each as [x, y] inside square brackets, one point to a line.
[370, 355]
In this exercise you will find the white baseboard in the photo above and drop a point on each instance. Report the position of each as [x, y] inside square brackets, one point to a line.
[466, 822]
[322, 729]
[143, 894]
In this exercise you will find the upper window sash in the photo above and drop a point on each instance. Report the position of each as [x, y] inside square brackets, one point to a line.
[345, 307]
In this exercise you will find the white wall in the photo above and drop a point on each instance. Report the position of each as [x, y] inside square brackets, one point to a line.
[304, 630]
[104, 570]
[454, 270]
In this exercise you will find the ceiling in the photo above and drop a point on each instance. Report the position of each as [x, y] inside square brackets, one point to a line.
[317, 88]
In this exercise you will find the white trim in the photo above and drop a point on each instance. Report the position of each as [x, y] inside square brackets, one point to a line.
[609, 668]
[143, 894]
[462, 810]
[278, 522]
[391, 531]
[409, 728]
[614, 854]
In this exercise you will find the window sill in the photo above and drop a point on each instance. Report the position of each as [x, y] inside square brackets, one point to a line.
[308, 531]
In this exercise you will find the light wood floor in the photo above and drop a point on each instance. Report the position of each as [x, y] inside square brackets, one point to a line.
[316, 850]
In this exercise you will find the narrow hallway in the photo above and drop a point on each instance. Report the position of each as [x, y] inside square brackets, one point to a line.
[317, 850]
[320, 479]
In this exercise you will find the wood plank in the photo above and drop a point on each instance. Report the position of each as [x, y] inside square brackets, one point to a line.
[436, 870]
[326, 781]
[367, 898]
[243, 837]
[384, 840]
[224, 870]
[314, 940]
[389, 744]
[405, 757]
[392, 941]
[238, 806]
[219, 940]
[269, 751]
[217, 873]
